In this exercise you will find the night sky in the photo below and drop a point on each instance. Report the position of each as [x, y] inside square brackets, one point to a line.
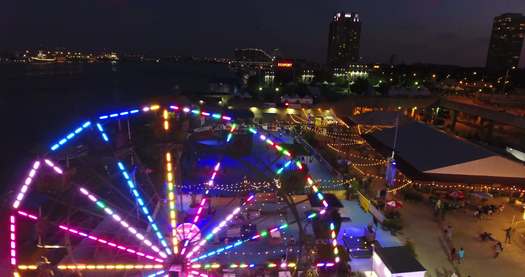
[432, 31]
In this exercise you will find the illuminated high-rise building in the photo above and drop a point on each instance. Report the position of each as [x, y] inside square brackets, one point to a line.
[343, 39]
[506, 41]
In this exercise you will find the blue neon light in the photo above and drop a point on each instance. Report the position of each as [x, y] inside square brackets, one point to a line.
[143, 206]
[118, 114]
[70, 136]
[158, 273]
[102, 132]
[237, 243]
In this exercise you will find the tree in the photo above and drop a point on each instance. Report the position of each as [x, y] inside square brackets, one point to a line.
[292, 182]
[360, 86]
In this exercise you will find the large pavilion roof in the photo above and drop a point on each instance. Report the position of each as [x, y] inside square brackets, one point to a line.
[431, 154]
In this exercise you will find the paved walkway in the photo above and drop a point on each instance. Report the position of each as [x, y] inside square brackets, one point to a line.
[360, 220]
[421, 228]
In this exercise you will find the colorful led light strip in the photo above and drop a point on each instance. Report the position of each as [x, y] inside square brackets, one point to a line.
[30, 177]
[103, 206]
[119, 114]
[208, 185]
[143, 208]
[206, 266]
[97, 239]
[218, 228]
[110, 244]
[12, 239]
[197, 274]
[27, 182]
[282, 265]
[70, 136]
[333, 236]
[201, 113]
[110, 267]
[52, 165]
[262, 234]
[325, 264]
[158, 273]
[268, 141]
[203, 201]
[102, 132]
[171, 202]
[311, 183]
[98, 266]
[166, 122]
[230, 134]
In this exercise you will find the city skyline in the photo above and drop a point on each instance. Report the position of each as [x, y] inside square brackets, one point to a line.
[458, 36]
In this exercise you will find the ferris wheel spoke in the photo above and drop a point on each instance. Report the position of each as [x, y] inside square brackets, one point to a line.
[218, 228]
[103, 206]
[64, 140]
[143, 208]
[171, 202]
[102, 132]
[262, 234]
[31, 176]
[310, 183]
[111, 244]
[203, 202]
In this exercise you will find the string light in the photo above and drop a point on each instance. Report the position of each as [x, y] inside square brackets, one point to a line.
[12, 239]
[102, 132]
[119, 114]
[171, 202]
[143, 208]
[109, 266]
[70, 136]
[97, 239]
[201, 113]
[218, 228]
[103, 206]
[261, 234]
[27, 182]
[158, 273]
[52, 165]
[165, 116]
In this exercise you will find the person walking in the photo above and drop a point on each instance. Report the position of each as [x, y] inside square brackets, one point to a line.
[449, 233]
[498, 248]
[508, 235]
[453, 255]
[461, 255]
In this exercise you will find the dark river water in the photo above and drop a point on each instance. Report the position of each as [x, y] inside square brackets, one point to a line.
[38, 103]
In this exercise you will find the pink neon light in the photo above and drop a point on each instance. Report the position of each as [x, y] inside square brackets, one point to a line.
[219, 227]
[12, 233]
[27, 182]
[94, 238]
[53, 166]
[203, 201]
[316, 190]
[123, 223]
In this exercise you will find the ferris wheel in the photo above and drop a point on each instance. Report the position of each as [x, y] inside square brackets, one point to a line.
[112, 198]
